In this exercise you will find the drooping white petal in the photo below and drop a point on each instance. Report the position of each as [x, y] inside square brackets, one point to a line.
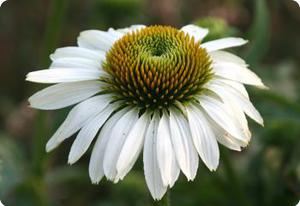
[223, 43]
[203, 137]
[217, 111]
[150, 159]
[96, 40]
[64, 94]
[88, 132]
[237, 73]
[96, 170]
[115, 143]
[234, 97]
[166, 157]
[62, 75]
[240, 117]
[132, 146]
[184, 149]
[77, 118]
[76, 63]
[175, 171]
[237, 85]
[195, 31]
[228, 142]
[235, 112]
[77, 52]
[224, 137]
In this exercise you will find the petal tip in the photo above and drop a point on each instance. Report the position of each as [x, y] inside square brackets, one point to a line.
[242, 41]
[50, 146]
[94, 181]
[94, 178]
[264, 87]
[213, 168]
[72, 159]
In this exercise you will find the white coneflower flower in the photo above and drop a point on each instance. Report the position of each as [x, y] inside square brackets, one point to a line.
[156, 89]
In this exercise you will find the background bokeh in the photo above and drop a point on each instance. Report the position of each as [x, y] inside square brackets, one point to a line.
[266, 173]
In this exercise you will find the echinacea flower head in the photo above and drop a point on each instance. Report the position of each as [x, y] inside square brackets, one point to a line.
[155, 89]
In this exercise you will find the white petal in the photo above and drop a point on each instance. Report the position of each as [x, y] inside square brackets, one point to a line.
[96, 40]
[220, 57]
[224, 138]
[237, 73]
[240, 117]
[218, 113]
[234, 97]
[224, 56]
[234, 110]
[135, 27]
[88, 133]
[184, 149]
[63, 75]
[228, 142]
[223, 43]
[76, 63]
[115, 143]
[64, 94]
[195, 31]
[117, 34]
[96, 171]
[132, 146]
[175, 171]
[132, 28]
[77, 118]
[298, 2]
[165, 154]
[237, 85]
[203, 137]
[151, 168]
[79, 52]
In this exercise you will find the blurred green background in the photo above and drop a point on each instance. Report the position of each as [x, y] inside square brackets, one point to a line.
[266, 173]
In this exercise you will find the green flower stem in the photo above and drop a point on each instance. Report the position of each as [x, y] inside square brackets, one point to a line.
[235, 184]
[165, 201]
[42, 128]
